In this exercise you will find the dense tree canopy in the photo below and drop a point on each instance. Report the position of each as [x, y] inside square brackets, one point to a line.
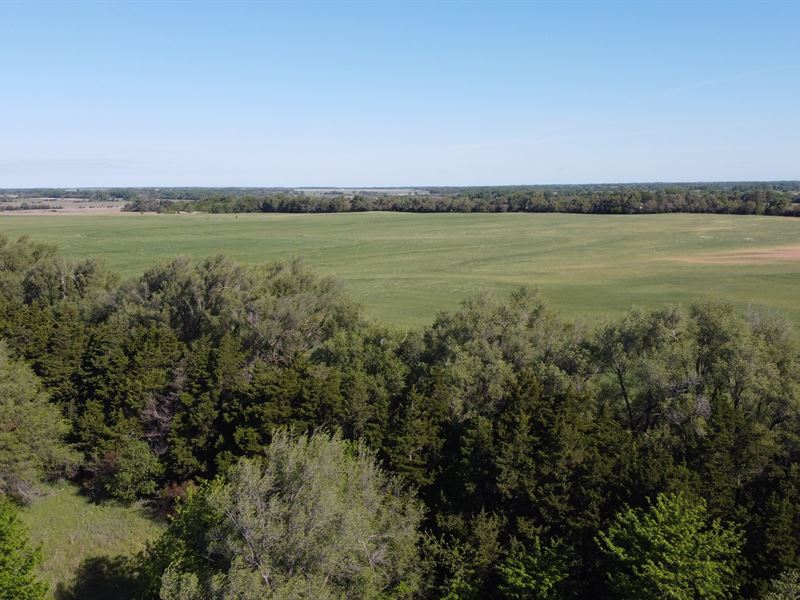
[538, 448]
[785, 587]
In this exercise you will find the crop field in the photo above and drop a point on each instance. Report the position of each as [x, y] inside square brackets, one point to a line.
[403, 268]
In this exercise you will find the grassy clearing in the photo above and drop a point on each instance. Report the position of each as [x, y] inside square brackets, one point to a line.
[70, 529]
[405, 267]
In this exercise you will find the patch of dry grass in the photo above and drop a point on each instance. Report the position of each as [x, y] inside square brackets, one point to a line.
[70, 529]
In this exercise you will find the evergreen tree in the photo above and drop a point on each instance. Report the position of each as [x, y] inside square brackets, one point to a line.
[535, 572]
[32, 431]
[18, 561]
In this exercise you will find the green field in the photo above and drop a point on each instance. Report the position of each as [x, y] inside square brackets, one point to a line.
[405, 267]
[76, 535]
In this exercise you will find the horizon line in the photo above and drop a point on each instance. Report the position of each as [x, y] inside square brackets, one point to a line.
[412, 187]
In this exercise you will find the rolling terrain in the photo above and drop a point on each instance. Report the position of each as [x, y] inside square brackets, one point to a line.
[404, 268]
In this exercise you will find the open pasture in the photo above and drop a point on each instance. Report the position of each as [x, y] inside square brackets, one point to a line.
[76, 534]
[403, 268]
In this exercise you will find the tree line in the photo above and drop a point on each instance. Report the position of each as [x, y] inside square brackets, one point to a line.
[299, 450]
[6, 207]
[746, 199]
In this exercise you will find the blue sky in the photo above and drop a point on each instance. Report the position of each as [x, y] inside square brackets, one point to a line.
[374, 94]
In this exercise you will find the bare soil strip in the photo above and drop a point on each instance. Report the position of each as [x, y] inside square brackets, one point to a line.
[743, 257]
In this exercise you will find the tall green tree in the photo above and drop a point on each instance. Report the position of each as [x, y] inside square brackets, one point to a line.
[670, 550]
[18, 561]
[32, 431]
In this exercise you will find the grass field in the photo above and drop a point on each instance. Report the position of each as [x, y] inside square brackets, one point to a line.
[73, 532]
[405, 267]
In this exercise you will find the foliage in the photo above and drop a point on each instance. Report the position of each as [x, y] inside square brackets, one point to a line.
[774, 198]
[670, 550]
[18, 561]
[770, 197]
[527, 437]
[126, 470]
[785, 587]
[314, 518]
[31, 431]
[534, 573]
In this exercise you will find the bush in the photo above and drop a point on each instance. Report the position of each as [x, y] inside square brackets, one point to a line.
[315, 518]
[126, 469]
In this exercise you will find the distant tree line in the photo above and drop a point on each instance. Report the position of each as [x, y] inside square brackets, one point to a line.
[302, 451]
[745, 199]
[88, 194]
[4, 207]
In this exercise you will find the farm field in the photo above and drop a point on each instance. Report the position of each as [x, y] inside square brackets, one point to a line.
[404, 268]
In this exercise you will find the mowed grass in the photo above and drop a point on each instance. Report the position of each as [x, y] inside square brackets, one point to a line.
[70, 529]
[404, 268]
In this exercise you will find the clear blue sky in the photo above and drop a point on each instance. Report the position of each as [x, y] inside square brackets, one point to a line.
[373, 94]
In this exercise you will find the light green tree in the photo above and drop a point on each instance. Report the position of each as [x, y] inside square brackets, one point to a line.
[315, 518]
[785, 587]
[534, 572]
[670, 550]
[18, 561]
[31, 431]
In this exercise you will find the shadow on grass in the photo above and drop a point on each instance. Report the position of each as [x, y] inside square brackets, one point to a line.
[102, 578]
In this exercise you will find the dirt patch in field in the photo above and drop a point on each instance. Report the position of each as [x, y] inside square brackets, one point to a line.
[743, 257]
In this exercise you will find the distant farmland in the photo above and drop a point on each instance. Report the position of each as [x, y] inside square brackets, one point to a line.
[405, 267]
